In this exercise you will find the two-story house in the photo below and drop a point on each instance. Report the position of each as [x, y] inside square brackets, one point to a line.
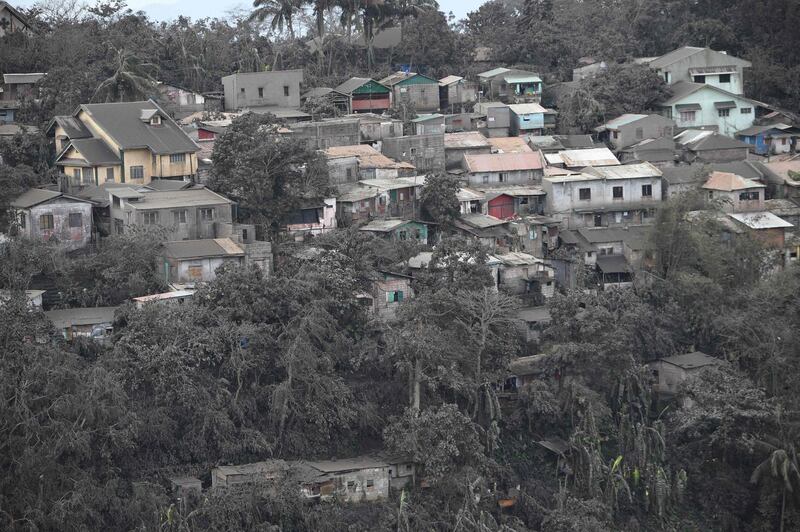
[604, 196]
[52, 216]
[511, 85]
[129, 142]
[15, 87]
[188, 214]
[502, 168]
[734, 193]
[279, 89]
[704, 106]
[630, 128]
[531, 118]
[702, 65]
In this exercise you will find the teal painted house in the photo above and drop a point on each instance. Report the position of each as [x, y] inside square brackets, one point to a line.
[419, 90]
[701, 106]
[396, 229]
[366, 95]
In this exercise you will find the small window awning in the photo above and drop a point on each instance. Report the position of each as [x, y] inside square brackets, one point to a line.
[688, 107]
[730, 104]
[522, 79]
[701, 71]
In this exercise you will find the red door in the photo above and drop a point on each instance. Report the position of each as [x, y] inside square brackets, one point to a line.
[502, 207]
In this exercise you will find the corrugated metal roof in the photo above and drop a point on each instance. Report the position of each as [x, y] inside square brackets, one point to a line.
[68, 317]
[34, 196]
[696, 359]
[400, 77]
[760, 220]
[625, 171]
[425, 118]
[615, 123]
[468, 194]
[634, 236]
[481, 221]
[588, 157]
[96, 152]
[613, 264]
[517, 258]
[26, 77]
[674, 56]
[729, 182]
[167, 199]
[208, 247]
[528, 109]
[449, 80]
[467, 139]
[382, 226]
[502, 162]
[510, 145]
[494, 72]
[513, 78]
[368, 157]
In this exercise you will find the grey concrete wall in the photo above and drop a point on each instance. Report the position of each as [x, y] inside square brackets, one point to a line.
[425, 152]
[322, 135]
[241, 90]
[70, 237]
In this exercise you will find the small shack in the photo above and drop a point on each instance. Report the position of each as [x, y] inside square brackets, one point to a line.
[669, 372]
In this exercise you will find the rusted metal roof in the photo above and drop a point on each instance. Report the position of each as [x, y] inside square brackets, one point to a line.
[729, 182]
[502, 162]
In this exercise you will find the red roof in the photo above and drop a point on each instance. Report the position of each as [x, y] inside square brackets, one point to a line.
[503, 162]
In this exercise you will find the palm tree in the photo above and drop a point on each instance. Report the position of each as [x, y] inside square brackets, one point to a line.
[281, 13]
[781, 465]
[131, 80]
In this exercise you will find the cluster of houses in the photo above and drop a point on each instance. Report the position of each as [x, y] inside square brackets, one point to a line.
[547, 207]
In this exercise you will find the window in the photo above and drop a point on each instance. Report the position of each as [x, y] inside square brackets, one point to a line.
[22, 220]
[241, 90]
[137, 172]
[207, 214]
[688, 116]
[261, 92]
[177, 158]
[598, 220]
[748, 196]
[244, 235]
[87, 176]
[501, 177]
[109, 174]
[119, 226]
[156, 120]
[76, 173]
[585, 193]
[370, 484]
[75, 219]
[351, 485]
[486, 179]
[179, 216]
[746, 110]
[699, 79]
[668, 77]
[349, 173]
[46, 221]
[667, 112]
[394, 296]
[607, 251]
[647, 191]
[639, 133]
[151, 218]
[723, 113]
[617, 192]
[615, 134]
[286, 90]
[724, 78]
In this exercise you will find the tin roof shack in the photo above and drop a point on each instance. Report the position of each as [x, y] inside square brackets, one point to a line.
[734, 193]
[710, 147]
[531, 118]
[93, 322]
[236, 475]
[488, 230]
[372, 164]
[613, 272]
[313, 217]
[470, 200]
[456, 94]
[432, 124]
[783, 177]
[388, 290]
[773, 139]
[669, 372]
[191, 213]
[511, 85]
[696, 105]
[603, 196]
[503, 168]
[339, 100]
[190, 261]
[457, 145]
[409, 87]
[629, 129]
[425, 152]
[526, 275]
[396, 229]
[395, 197]
[507, 202]
[350, 480]
[277, 88]
[15, 87]
[765, 227]
[531, 321]
[498, 118]
[536, 234]
[356, 203]
[323, 135]
[661, 152]
[631, 242]
[52, 216]
[702, 66]
[366, 95]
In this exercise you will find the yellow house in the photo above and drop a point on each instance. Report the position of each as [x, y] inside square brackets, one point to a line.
[127, 142]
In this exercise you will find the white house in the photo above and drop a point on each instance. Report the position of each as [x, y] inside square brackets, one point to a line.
[698, 105]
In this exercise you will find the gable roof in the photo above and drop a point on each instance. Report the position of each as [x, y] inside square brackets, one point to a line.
[588, 157]
[682, 89]
[502, 162]
[95, 151]
[758, 130]
[399, 77]
[74, 128]
[695, 140]
[349, 86]
[494, 72]
[760, 220]
[14, 11]
[123, 122]
[23, 77]
[318, 92]
[209, 247]
[621, 120]
[688, 51]
[36, 196]
[449, 80]
[684, 173]
[729, 182]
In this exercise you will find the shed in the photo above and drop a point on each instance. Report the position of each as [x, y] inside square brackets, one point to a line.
[670, 372]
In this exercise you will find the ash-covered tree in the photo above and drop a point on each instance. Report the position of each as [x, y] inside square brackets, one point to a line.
[626, 88]
[267, 172]
[439, 201]
[13, 182]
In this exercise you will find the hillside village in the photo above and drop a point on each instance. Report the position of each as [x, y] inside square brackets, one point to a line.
[409, 291]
